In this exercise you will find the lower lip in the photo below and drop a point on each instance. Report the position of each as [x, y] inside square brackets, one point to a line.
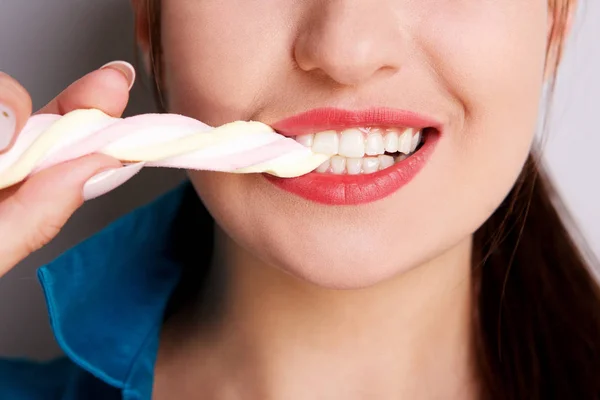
[333, 189]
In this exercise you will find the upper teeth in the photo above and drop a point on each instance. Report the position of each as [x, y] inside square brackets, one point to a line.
[356, 142]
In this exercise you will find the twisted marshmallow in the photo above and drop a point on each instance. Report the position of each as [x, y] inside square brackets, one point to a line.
[154, 140]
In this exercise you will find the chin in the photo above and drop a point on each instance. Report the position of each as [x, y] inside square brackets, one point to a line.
[358, 258]
[337, 271]
[332, 247]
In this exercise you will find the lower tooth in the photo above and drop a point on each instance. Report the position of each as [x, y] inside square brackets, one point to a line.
[401, 157]
[324, 167]
[385, 162]
[338, 164]
[370, 165]
[354, 166]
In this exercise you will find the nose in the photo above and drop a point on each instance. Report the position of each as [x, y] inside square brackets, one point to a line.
[350, 41]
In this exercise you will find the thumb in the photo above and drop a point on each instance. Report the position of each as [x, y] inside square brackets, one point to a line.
[34, 214]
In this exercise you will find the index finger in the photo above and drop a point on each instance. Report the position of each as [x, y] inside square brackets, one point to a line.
[106, 89]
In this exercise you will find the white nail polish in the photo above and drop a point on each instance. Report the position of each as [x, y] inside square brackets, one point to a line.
[8, 125]
[109, 180]
[125, 68]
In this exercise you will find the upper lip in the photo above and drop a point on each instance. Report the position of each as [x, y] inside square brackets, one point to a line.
[322, 119]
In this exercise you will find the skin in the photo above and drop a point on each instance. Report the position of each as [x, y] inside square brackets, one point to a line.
[402, 326]
[476, 66]
[32, 213]
[488, 106]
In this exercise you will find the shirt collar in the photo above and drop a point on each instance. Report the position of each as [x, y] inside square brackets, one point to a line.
[107, 296]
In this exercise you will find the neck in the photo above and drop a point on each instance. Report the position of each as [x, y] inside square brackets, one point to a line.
[280, 337]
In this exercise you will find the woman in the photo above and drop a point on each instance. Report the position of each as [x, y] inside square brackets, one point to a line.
[447, 274]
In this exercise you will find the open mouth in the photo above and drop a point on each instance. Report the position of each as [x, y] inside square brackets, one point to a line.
[373, 152]
[366, 150]
[369, 164]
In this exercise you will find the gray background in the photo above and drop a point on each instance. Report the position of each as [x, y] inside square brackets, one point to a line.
[47, 44]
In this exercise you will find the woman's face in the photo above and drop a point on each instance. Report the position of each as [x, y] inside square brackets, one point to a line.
[474, 66]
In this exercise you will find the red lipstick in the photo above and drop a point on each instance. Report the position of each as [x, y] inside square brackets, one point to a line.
[356, 189]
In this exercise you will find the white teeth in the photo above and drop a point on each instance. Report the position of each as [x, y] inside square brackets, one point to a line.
[306, 140]
[391, 142]
[370, 164]
[350, 148]
[405, 141]
[415, 141]
[338, 164]
[326, 142]
[354, 166]
[352, 143]
[355, 143]
[323, 167]
[374, 144]
[385, 162]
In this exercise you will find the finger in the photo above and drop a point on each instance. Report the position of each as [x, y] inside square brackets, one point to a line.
[106, 89]
[36, 212]
[15, 109]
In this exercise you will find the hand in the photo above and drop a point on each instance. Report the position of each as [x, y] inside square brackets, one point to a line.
[33, 212]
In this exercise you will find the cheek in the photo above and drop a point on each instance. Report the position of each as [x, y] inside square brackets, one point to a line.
[495, 68]
[217, 66]
[492, 58]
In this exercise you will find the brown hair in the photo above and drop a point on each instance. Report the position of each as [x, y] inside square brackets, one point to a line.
[536, 322]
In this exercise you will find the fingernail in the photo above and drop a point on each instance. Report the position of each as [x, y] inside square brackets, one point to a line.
[125, 68]
[8, 125]
[109, 180]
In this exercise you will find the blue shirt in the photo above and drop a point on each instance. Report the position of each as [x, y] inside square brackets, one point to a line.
[106, 299]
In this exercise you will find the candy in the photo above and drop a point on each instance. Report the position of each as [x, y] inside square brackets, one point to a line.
[155, 140]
